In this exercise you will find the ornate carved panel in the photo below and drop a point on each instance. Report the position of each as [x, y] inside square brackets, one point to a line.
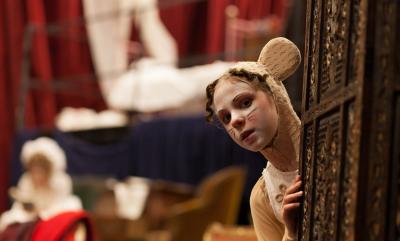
[307, 170]
[331, 105]
[395, 190]
[326, 178]
[382, 77]
[349, 175]
[313, 21]
[334, 45]
[351, 121]
[355, 47]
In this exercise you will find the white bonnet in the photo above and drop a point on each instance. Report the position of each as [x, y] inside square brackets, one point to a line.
[47, 147]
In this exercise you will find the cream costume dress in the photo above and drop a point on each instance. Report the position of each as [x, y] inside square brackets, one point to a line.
[264, 210]
[48, 201]
[277, 61]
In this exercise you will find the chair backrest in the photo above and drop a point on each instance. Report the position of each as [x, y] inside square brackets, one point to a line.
[219, 232]
[110, 228]
[217, 200]
[223, 193]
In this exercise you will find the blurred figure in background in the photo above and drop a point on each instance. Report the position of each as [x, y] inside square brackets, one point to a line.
[44, 189]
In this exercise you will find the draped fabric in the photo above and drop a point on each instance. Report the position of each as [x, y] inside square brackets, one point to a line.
[108, 30]
[41, 66]
[62, 227]
[62, 53]
[19, 231]
[61, 67]
[5, 120]
[248, 9]
[9, 69]
[184, 149]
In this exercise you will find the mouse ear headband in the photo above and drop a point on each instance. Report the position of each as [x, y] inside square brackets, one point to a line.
[278, 59]
[281, 58]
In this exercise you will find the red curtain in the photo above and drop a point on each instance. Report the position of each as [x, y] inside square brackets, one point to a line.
[61, 67]
[60, 64]
[10, 46]
[199, 27]
[248, 9]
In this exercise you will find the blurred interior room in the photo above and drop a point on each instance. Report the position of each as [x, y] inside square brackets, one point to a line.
[111, 94]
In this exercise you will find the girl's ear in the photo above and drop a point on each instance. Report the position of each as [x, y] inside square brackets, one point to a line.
[281, 57]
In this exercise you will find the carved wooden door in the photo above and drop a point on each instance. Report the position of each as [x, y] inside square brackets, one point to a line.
[351, 121]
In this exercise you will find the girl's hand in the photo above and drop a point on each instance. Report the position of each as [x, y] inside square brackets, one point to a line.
[290, 206]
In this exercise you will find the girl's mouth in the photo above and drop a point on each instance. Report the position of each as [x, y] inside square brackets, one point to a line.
[246, 134]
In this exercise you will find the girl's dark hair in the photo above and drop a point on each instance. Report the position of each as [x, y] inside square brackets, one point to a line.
[256, 80]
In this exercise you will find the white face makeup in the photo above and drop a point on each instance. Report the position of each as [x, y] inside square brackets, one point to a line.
[248, 114]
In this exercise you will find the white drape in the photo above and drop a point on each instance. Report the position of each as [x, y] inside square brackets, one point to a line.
[154, 83]
[109, 26]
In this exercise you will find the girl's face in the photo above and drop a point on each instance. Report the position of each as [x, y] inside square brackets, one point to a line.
[40, 176]
[248, 114]
[39, 169]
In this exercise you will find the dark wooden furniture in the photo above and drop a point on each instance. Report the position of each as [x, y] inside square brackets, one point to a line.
[219, 232]
[173, 211]
[351, 121]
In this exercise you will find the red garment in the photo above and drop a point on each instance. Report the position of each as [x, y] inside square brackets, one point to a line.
[18, 231]
[62, 227]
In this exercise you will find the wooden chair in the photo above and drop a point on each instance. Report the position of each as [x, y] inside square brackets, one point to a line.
[175, 212]
[113, 228]
[219, 232]
[109, 226]
[217, 200]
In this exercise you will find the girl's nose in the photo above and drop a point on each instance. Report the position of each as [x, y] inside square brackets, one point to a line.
[238, 121]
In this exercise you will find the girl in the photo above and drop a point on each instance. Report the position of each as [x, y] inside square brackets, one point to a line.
[44, 189]
[252, 104]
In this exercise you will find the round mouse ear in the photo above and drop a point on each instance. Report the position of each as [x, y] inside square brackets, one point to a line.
[281, 58]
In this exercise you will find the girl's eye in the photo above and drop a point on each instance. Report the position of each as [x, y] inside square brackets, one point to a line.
[226, 118]
[245, 103]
